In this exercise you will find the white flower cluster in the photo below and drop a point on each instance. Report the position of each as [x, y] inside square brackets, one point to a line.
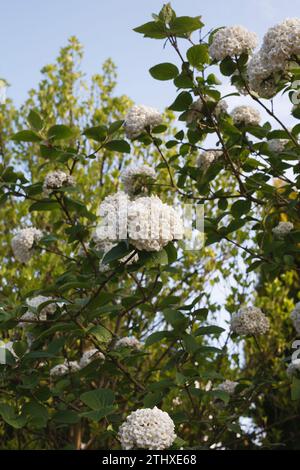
[152, 224]
[232, 41]
[196, 109]
[23, 242]
[206, 158]
[139, 118]
[136, 180]
[282, 229]
[57, 180]
[295, 317]
[74, 366]
[227, 386]
[128, 342]
[113, 210]
[293, 367]
[277, 145]
[280, 44]
[250, 321]
[90, 356]
[33, 305]
[245, 115]
[148, 428]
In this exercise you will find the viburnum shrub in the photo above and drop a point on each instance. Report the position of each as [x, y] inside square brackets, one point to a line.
[116, 333]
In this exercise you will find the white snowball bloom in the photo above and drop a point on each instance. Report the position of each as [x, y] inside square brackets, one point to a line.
[250, 321]
[227, 386]
[65, 368]
[293, 368]
[139, 118]
[137, 179]
[90, 356]
[23, 243]
[148, 428]
[295, 317]
[153, 224]
[261, 77]
[114, 211]
[280, 43]
[282, 229]
[206, 158]
[245, 115]
[57, 180]
[128, 342]
[277, 145]
[232, 41]
[197, 108]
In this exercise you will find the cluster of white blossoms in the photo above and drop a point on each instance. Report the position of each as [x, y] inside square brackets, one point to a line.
[128, 342]
[33, 314]
[250, 321]
[295, 317]
[139, 118]
[57, 180]
[136, 179]
[206, 158]
[227, 386]
[293, 368]
[197, 108]
[282, 229]
[153, 224]
[148, 428]
[23, 243]
[277, 145]
[62, 369]
[74, 366]
[245, 115]
[232, 41]
[90, 356]
[280, 44]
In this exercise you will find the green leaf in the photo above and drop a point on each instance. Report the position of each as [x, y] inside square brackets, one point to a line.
[156, 337]
[152, 29]
[227, 66]
[35, 120]
[37, 414]
[209, 330]
[96, 415]
[198, 55]
[66, 416]
[116, 252]
[164, 71]
[185, 25]
[26, 136]
[100, 333]
[46, 205]
[114, 127]
[97, 133]
[182, 102]
[241, 207]
[118, 146]
[61, 132]
[9, 416]
[98, 399]
[295, 389]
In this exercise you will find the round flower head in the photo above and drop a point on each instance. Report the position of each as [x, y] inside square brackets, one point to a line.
[113, 210]
[261, 77]
[277, 145]
[90, 356]
[295, 317]
[128, 342]
[139, 118]
[57, 180]
[136, 180]
[228, 386]
[246, 116]
[148, 428]
[281, 43]
[23, 243]
[152, 224]
[282, 229]
[293, 368]
[250, 321]
[207, 158]
[232, 41]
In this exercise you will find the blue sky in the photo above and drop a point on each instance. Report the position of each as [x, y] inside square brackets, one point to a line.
[32, 32]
